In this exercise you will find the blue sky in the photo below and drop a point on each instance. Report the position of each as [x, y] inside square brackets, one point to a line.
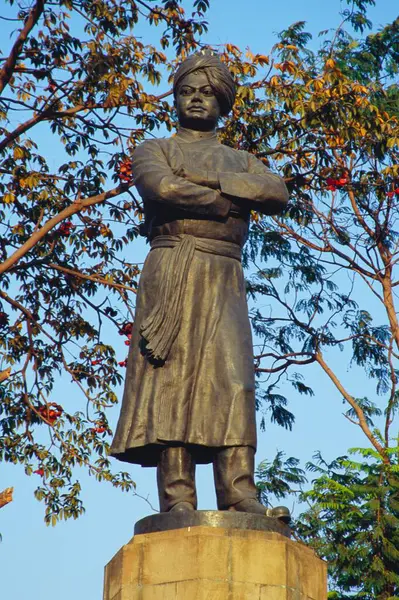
[40, 563]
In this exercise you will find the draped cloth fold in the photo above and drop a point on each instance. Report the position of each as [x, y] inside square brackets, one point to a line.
[161, 327]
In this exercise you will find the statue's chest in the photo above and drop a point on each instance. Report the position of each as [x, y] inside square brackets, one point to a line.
[214, 158]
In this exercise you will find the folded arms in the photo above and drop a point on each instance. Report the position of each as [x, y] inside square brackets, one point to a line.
[207, 192]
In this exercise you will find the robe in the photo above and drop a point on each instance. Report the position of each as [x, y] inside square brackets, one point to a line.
[203, 394]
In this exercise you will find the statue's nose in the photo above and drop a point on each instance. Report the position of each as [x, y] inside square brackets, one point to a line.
[197, 97]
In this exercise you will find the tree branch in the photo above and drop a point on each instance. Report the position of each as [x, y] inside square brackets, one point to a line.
[8, 139]
[285, 366]
[8, 68]
[70, 210]
[48, 114]
[359, 412]
[6, 496]
[94, 278]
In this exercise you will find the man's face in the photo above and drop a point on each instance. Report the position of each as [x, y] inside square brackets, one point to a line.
[196, 104]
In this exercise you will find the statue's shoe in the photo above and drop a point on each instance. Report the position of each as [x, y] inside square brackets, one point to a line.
[279, 512]
[253, 506]
[182, 507]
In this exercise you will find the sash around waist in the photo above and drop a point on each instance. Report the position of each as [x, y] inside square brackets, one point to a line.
[162, 325]
[191, 242]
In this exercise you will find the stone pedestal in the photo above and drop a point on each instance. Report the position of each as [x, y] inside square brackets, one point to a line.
[214, 563]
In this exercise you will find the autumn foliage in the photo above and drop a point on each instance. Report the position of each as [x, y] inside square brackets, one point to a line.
[78, 92]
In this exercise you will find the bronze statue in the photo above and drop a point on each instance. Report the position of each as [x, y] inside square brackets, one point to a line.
[189, 392]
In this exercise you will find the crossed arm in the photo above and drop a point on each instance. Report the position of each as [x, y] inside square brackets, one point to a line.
[207, 192]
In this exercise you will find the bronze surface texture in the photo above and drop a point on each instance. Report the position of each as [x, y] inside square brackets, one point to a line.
[190, 373]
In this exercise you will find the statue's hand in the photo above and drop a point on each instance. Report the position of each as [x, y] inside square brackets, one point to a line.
[180, 171]
[204, 178]
[239, 208]
[196, 176]
[193, 175]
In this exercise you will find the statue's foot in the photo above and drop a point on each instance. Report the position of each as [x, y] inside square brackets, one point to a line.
[251, 505]
[279, 512]
[182, 507]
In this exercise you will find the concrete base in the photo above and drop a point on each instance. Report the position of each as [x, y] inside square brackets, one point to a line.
[212, 563]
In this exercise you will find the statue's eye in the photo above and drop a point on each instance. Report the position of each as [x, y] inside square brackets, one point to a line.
[208, 92]
[186, 91]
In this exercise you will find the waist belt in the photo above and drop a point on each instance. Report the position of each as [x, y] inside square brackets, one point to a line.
[159, 330]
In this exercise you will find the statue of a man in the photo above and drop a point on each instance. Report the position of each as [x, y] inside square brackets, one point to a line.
[189, 394]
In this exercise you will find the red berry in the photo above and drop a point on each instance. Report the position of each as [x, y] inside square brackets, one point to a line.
[66, 228]
[126, 329]
[125, 171]
[330, 181]
[50, 411]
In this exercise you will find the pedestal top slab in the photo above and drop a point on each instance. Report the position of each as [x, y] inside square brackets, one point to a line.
[210, 518]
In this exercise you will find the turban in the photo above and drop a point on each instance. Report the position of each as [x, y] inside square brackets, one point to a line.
[219, 77]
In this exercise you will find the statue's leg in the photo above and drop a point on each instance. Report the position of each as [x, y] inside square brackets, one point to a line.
[234, 469]
[176, 479]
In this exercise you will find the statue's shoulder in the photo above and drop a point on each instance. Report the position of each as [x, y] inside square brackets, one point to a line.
[154, 145]
[235, 151]
[239, 157]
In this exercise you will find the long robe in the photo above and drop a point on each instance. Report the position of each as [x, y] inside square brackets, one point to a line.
[203, 394]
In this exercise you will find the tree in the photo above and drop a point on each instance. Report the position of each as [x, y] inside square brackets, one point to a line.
[339, 156]
[352, 522]
[332, 127]
[78, 80]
